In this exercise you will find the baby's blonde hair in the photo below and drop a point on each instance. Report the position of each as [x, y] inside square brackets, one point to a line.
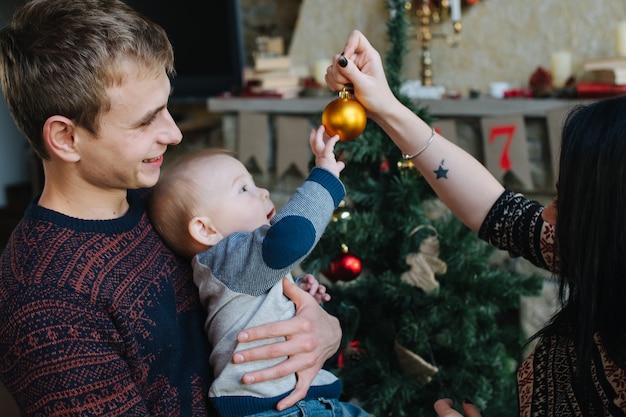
[176, 199]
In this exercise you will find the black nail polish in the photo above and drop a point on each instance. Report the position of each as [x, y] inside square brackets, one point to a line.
[466, 401]
[342, 61]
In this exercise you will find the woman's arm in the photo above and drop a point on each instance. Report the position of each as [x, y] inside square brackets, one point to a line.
[459, 180]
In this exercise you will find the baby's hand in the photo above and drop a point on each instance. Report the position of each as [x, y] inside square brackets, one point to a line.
[323, 148]
[311, 285]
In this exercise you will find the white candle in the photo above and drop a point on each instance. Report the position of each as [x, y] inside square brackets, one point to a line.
[455, 10]
[319, 70]
[561, 67]
[620, 39]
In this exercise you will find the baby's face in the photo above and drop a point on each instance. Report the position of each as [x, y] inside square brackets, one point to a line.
[236, 203]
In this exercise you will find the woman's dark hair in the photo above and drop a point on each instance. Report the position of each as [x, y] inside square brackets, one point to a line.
[591, 234]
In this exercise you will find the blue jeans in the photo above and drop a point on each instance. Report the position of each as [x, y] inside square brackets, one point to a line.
[321, 407]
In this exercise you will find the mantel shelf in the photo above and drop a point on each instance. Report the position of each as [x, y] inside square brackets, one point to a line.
[440, 108]
[251, 125]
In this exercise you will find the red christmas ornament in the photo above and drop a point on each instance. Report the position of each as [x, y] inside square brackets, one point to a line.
[384, 166]
[350, 354]
[344, 267]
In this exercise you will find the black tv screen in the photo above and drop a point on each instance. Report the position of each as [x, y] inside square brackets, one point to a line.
[208, 43]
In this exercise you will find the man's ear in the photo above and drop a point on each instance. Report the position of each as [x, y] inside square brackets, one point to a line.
[202, 231]
[59, 138]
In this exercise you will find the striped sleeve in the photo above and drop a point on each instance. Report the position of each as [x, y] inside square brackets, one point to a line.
[514, 224]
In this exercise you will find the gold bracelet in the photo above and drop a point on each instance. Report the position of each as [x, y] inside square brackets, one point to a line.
[407, 156]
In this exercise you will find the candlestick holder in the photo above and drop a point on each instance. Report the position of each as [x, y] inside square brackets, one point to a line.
[428, 13]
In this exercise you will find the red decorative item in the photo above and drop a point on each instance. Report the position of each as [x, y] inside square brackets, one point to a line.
[351, 353]
[384, 165]
[344, 267]
[541, 82]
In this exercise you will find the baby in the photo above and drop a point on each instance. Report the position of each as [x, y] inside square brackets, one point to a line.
[208, 208]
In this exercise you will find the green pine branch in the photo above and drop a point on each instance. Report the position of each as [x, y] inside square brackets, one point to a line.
[468, 328]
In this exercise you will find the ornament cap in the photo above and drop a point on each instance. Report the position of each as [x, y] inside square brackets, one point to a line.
[347, 91]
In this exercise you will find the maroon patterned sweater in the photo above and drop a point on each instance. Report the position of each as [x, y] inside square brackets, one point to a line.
[100, 318]
[546, 378]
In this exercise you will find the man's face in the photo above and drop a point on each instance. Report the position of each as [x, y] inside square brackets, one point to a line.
[133, 135]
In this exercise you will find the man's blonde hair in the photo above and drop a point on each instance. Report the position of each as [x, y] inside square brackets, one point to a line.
[58, 57]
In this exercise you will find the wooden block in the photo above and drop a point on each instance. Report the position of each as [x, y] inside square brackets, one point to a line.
[505, 148]
[254, 140]
[292, 144]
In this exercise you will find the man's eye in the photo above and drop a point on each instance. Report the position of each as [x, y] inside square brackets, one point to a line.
[243, 189]
[149, 121]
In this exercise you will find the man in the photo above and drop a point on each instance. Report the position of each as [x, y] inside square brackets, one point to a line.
[97, 315]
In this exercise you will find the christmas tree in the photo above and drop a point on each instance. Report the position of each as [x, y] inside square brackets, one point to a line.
[424, 314]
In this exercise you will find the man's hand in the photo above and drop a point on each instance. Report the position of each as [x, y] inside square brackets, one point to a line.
[312, 336]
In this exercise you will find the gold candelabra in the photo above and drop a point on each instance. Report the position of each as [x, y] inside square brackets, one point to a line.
[429, 12]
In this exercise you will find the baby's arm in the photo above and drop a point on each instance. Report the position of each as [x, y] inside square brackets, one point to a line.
[311, 285]
[323, 149]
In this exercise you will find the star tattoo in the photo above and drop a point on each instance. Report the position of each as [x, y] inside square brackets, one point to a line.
[441, 172]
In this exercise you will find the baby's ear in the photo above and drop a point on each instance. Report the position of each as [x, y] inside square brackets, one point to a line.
[202, 231]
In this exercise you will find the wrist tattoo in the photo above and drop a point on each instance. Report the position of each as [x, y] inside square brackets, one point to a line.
[441, 171]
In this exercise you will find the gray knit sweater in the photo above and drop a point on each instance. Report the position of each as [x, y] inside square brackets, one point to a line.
[240, 284]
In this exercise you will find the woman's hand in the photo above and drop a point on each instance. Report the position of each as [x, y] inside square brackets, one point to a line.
[312, 336]
[360, 65]
[444, 408]
[470, 190]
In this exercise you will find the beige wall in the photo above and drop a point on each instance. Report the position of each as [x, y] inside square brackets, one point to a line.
[502, 40]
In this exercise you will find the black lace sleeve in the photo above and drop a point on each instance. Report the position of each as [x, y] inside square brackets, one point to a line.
[514, 224]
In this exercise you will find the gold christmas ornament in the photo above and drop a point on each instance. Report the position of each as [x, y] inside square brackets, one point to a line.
[404, 165]
[424, 264]
[341, 213]
[344, 116]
